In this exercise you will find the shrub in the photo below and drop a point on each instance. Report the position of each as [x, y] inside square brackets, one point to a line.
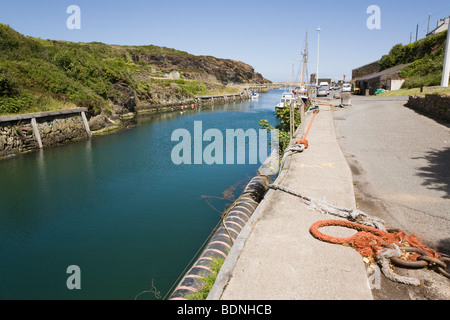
[400, 54]
[7, 86]
[63, 61]
[17, 104]
[284, 118]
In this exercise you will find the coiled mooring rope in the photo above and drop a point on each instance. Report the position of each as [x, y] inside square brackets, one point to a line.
[372, 240]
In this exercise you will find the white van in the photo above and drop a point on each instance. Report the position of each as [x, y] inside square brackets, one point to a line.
[324, 84]
[346, 87]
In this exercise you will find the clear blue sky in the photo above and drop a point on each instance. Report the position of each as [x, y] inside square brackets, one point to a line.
[267, 34]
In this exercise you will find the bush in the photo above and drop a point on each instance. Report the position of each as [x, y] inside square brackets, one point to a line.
[394, 58]
[7, 86]
[192, 88]
[284, 117]
[9, 39]
[17, 104]
[432, 79]
[63, 61]
[401, 54]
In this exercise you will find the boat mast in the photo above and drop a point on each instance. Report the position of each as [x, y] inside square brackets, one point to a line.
[305, 54]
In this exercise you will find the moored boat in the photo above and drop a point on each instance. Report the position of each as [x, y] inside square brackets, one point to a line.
[285, 100]
[254, 96]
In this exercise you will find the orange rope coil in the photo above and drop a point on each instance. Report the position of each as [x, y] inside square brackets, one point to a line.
[369, 241]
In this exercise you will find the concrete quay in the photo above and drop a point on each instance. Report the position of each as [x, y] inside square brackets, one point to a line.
[275, 257]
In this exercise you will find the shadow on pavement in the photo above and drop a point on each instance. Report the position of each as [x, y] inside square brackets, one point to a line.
[444, 246]
[437, 172]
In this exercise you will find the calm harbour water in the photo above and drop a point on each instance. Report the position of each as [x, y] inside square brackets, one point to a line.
[115, 206]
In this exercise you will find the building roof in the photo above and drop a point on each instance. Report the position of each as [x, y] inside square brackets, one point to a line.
[384, 72]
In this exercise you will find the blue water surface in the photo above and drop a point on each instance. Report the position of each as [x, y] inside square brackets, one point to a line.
[117, 207]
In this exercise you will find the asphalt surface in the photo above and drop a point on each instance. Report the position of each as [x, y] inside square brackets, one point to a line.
[400, 162]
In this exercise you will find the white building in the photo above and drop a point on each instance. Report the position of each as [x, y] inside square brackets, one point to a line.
[442, 25]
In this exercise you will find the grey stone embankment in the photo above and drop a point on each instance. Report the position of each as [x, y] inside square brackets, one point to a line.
[17, 135]
[433, 105]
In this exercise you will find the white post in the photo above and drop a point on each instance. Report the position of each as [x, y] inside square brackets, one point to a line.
[318, 46]
[36, 132]
[446, 70]
[86, 124]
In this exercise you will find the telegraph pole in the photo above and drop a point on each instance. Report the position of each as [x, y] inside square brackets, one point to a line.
[417, 31]
[446, 69]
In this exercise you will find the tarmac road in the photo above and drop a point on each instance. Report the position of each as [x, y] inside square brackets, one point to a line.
[400, 161]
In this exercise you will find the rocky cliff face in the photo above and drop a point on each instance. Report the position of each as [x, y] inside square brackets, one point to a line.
[204, 68]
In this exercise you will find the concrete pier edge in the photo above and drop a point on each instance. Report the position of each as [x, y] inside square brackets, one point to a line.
[227, 268]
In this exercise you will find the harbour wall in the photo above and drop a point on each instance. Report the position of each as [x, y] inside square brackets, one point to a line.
[23, 133]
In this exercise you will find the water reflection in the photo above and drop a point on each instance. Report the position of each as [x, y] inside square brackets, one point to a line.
[89, 157]
[42, 171]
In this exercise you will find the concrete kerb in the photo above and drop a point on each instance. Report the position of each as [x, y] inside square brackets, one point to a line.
[227, 268]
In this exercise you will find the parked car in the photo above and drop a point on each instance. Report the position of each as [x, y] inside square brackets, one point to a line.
[323, 91]
[346, 87]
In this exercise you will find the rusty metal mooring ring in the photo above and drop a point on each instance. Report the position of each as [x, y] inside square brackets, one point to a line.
[432, 260]
[411, 264]
[444, 271]
[441, 264]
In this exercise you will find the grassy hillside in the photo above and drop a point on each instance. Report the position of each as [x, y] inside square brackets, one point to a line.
[426, 56]
[40, 75]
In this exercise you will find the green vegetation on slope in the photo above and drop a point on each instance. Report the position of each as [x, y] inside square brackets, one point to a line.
[40, 75]
[426, 57]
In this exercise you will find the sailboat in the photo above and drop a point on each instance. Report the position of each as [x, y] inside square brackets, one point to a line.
[301, 91]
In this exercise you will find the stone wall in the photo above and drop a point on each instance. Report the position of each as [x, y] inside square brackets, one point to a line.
[366, 70]
[433, 105]
[17, 136]
[61, 129]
